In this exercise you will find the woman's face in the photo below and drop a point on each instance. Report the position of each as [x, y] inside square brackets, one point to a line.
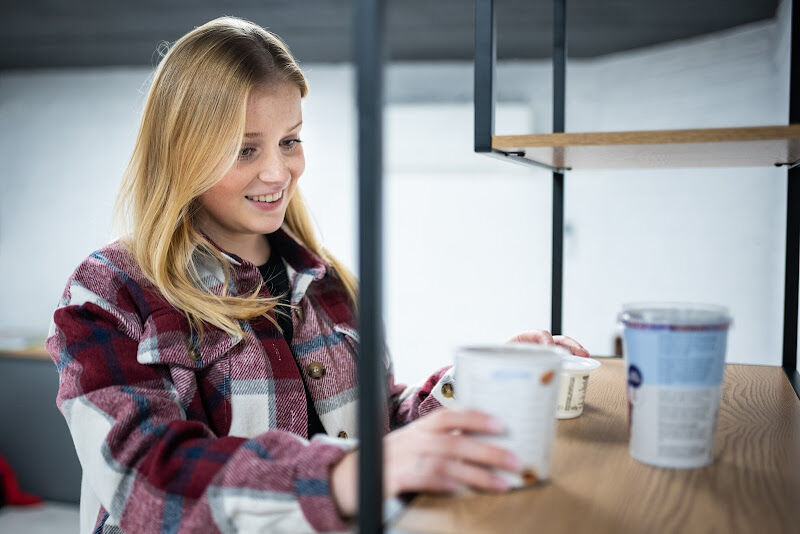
[252, 197]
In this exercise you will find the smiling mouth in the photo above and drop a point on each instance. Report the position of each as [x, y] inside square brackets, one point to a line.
[267, 199]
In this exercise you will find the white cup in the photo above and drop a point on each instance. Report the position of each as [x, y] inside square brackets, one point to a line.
[574, 379]
[516, 383]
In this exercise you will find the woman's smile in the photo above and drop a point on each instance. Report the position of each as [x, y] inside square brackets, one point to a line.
[267, 202]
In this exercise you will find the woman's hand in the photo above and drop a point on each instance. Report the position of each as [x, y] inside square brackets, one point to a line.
[543, 337]
[434, 453]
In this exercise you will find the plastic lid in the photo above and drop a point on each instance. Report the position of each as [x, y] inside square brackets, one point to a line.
[514, 349]
[675, 315]
[578, 364]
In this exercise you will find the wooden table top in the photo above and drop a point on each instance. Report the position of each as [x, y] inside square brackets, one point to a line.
[752, 486]
[33, 353]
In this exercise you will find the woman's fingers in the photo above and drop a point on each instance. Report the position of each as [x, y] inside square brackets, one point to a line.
[465, 448]
[436, 473]
[447, 419]
[431, 474]
[542, 337]
[448, 436]
[474, 476]
[439, 452]
[573, 346]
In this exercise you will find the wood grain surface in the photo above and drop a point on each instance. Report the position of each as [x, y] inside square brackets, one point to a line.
[715, 147]
[35, 353]
[753, 486]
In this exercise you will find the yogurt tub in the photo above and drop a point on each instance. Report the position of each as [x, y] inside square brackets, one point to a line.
[674, 362]
[574, 379]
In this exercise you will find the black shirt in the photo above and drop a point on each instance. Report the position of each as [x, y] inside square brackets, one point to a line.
[274, 274]
[275, 278]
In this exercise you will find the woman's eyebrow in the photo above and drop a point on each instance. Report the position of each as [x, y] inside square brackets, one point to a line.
[258, 134]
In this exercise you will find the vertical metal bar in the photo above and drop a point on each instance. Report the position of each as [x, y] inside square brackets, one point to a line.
[369, 53]
[559, 112]
[485, 61]
[557, 281]
[559, 63]
[790, 302]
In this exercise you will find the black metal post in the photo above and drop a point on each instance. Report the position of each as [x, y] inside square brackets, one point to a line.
[792, 220]
[485, 60]
[559, 95]
[485, 69]
[369, 53]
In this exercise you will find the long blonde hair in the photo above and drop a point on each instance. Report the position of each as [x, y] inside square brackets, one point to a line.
[192, 126]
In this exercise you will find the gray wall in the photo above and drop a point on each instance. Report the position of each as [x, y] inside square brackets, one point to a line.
[33, 435]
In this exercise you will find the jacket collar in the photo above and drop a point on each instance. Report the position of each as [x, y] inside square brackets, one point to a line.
[288, 246]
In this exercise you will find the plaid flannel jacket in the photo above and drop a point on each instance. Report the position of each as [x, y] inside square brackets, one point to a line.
[177, 435]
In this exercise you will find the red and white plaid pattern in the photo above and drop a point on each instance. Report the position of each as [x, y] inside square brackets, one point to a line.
[215, 443]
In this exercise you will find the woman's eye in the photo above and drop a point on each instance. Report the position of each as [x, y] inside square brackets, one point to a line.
[291, 144]
[244, 154]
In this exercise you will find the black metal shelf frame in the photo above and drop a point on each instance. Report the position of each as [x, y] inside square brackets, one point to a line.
[485, 99]
[370, 55]
[370, 58]
[790, 300]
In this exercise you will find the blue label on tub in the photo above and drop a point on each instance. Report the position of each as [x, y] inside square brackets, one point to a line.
[511, 374]
[634, 376]
[676, 357]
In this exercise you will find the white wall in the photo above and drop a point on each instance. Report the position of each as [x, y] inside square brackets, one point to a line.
[467, 237]
[65, 139]
[703, 235]
[714, 235]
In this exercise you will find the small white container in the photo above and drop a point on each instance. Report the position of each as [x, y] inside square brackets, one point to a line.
[574, 379]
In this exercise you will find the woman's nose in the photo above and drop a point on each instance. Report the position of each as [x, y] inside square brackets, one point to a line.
[274, 169]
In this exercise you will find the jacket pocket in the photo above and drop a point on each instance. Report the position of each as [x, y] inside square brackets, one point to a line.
[349, 332]
[352, 337]
[166, 340]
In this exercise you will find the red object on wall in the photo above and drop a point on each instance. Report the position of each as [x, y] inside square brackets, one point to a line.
[10, 492]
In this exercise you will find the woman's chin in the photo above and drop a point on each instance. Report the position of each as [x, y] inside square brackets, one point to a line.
[268, 228]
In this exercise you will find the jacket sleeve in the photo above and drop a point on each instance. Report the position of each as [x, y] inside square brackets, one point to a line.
[152, 469]
[407, 403]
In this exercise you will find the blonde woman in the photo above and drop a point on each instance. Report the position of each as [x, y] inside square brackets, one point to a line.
[207, 359]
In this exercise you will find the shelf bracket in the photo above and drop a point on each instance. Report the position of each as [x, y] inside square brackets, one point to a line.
[518, 156]
[788, 165]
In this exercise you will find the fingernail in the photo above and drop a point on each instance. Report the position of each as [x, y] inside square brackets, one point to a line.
[512, 462]
[500, 483]
[452, 486]
[496, 425]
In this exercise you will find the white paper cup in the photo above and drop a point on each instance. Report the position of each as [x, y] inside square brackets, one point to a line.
[675, 359]
[574, 379]
[516, 383]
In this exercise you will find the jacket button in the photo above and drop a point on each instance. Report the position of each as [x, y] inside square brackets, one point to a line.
[315, 370]
[342, 434]
[194, 355]
[447, 390]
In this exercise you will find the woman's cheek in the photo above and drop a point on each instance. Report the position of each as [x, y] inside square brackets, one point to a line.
[301, 165]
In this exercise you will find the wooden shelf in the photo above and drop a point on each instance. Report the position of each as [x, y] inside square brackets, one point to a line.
[752, 486]
[23, 347]
[33, 353]
[759, 146]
